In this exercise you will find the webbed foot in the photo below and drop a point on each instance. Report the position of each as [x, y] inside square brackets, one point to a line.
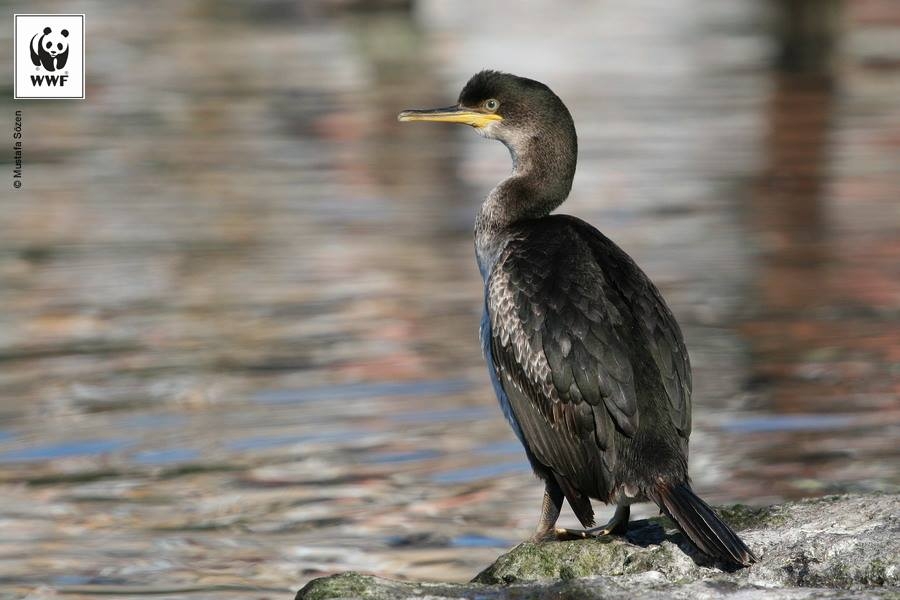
[618, 525]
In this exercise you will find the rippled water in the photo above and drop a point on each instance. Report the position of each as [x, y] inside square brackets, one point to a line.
[238, 340]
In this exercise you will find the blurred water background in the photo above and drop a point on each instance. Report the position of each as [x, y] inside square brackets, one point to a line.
[239, 301]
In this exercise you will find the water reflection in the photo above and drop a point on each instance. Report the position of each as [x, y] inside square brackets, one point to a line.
[355, 391]
[169, 455]
[789, 423]
[63, 450]
[238, 346]
[809, 334]
[481, 472]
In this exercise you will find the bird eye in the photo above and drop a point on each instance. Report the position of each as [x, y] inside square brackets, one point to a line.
[491, 105]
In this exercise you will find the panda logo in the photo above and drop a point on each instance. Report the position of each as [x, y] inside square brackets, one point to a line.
[50, 49]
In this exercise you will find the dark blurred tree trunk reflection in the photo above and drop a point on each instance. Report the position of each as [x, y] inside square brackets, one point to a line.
[417, 169]
[807, 32]
[787, 212]
[414, 164]
[788, 217]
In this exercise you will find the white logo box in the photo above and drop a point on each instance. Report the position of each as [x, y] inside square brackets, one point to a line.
[48, 56]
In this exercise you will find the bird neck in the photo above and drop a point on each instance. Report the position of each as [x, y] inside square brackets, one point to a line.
[543, 169]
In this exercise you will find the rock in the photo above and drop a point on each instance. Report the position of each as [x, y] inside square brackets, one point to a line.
[832, 547]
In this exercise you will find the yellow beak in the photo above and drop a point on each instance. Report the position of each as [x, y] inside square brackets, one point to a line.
[451, 114]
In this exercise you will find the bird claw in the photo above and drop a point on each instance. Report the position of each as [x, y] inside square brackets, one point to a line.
[563, 534]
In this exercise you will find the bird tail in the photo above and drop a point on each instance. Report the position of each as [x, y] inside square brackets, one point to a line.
[702, 525]
[580, 503]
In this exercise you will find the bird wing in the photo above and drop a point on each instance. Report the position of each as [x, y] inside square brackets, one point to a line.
[658, 330]
[570, 313]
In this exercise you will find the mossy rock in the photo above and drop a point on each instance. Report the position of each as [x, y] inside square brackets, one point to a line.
[367, 587]
[832, 547]
[741, 516]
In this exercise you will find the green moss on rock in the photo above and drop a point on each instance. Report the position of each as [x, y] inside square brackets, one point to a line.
[367, 587]
[345, 585]
[575, 560]
[741, 516]
[553, 560]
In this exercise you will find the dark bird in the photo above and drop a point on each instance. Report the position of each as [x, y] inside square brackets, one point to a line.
[587, 361]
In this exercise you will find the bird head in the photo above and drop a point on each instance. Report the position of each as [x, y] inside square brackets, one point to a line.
[505, 107]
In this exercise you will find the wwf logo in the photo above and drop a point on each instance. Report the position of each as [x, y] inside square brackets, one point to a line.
[48, 56]
[50, 50]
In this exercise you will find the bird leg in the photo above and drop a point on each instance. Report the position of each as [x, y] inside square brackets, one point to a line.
[618, 525]
[553, 499]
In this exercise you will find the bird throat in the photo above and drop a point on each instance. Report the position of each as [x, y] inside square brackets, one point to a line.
[543, 169]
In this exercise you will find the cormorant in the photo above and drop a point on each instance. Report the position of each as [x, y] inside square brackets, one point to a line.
[587, 361]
